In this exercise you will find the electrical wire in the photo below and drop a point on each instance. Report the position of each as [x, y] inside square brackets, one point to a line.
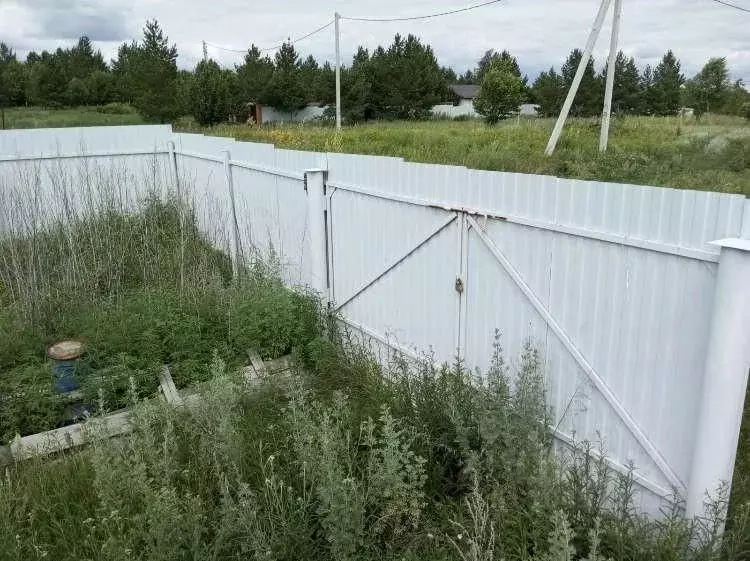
[428, 16]
[735, 6]
[276, 47]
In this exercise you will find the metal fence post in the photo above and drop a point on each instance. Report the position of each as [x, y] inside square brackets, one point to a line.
[725, 378]
[173, 167]
[235, 236]
[316, 222]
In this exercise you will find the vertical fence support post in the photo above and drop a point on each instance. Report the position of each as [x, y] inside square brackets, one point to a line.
[725, 378]
[316, 223]
[173, 167]
[235, 236]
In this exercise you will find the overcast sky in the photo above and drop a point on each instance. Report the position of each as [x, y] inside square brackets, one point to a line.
[539, 32]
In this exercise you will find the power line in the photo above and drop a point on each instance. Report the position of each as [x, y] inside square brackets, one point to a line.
[730, 5]
[276, 47]
[428, 16]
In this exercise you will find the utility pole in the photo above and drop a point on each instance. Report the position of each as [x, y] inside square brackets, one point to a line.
[205, 52]
[607, 112]
[593, 36]
[337, 19]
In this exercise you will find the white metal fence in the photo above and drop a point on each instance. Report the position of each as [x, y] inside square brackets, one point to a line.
[643, 322]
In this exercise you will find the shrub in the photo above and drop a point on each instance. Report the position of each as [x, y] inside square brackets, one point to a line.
[304, 467]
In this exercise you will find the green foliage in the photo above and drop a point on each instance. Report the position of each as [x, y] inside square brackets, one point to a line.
[548, 91]
[103, 115]
[152, 69]
[709, 89]
[627, 96]
[590, 97]
[210, 94]
[253, 76]
[116, 108]
[642, 150]
[664, 86]
[340, 459]
[286, 91]
[142, 289]
[500, 94]
[401, 82]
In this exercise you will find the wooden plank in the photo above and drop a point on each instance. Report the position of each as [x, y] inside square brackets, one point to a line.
[65, 438]
[168, 388]
[58, 440]
[259, 368]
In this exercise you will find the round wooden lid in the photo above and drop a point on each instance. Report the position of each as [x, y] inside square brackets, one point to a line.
[66, 350]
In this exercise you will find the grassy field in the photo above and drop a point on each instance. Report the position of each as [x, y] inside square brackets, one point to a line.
[35, 117]
[711, 155]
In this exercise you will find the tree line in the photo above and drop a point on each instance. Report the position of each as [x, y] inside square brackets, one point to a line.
[401, 81]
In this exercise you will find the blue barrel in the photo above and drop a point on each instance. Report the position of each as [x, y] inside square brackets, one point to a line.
[64, 375]
[64, 357]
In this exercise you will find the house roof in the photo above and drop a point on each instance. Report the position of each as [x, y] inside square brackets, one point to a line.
[465, 91]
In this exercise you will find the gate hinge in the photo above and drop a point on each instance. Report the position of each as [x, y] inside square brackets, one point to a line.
[459, 285]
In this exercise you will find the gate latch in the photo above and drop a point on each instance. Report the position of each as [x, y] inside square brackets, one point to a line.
[459, 285]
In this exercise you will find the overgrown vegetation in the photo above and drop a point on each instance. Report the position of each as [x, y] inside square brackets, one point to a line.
[142, 288]
[341, 462]
[103, 115]
[713, 154]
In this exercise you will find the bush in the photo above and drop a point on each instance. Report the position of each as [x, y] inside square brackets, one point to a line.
[308, 468]
[142, 289]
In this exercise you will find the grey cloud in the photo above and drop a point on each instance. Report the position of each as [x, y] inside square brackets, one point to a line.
[70, 19]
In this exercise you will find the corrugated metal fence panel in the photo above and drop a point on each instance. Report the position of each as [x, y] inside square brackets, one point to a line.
[37, 142]
[638, 316]
[407, 298]
[203, 181]
[294, 244]
[256, 197]
[613, 284]
[55, 188]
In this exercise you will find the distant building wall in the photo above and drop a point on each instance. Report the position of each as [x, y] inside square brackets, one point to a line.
[273, 115]
[466, 109]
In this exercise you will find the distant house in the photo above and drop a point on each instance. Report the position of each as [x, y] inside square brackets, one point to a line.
[463, 104]
[263, 114]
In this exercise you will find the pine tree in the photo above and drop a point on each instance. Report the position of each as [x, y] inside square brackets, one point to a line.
[627, 95]
[210, 94]
[285, 91]
[253, 76]
[665, 92]
[549, 92]
[151, 67]
[590, 97]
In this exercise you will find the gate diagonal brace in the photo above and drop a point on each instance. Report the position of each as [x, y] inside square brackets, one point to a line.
[399, 260]
[593, 375]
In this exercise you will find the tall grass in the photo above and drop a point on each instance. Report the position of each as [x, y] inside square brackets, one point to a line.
[710, 154]
[414, 462]
[120, 262]
[37, 117]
